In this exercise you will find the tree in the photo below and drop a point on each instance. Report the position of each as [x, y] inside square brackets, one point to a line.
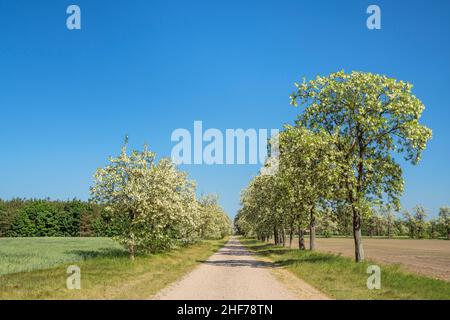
[369, 117]
[8, 213]
[22, 226]
[155, 203]
[420, 221]
[410, 223]
[215, 223]
[328, 225]
[292, 198]
[307, 167]
[263, 211]
[389, 217]
[37, 218]
[444, 220]
[433, 229]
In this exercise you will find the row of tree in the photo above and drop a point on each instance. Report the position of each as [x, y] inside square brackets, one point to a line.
[338, 159]
[389, 224]
[46, 218]
[155, 204]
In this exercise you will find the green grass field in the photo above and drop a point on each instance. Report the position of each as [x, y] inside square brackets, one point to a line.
[341, 278]
[106, 270]
[27, 254]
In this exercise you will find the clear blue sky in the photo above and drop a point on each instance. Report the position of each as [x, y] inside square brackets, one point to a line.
[145, 68]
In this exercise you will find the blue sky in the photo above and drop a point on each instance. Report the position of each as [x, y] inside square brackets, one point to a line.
[146, 68]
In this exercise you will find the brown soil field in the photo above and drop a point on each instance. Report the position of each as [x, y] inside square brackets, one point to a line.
[427, 257]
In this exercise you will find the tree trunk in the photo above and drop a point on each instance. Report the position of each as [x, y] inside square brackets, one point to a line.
[389, 230]
[275, 236]
[301, 239]
[131, 247]
[312, 232]
[131, 251]
[359, 251]
[283, 236]
[291, 237]
[132, 243]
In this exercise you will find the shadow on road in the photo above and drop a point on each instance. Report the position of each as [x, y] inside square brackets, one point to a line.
[224, 257]
[240, 263]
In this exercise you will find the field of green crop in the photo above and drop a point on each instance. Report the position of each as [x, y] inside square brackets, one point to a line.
[27, 254]
[110, 274]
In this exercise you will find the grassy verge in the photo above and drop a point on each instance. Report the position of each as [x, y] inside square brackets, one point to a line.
[109, 276]
[341, 278]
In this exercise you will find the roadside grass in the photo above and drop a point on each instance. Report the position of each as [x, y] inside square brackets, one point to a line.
[341, 278]
[111, 275]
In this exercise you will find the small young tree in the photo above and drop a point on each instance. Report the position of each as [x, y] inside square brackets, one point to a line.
[420, 216]
[410, 223]
[444, 220]
[154, 204]
[389, 218]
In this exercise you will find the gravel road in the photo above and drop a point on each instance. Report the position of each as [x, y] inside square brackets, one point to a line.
[234, 273]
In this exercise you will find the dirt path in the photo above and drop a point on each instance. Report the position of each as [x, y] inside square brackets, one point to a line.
[234, 273]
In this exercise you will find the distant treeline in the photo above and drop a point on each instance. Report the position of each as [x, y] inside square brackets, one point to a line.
[47, 218]
[386, 223]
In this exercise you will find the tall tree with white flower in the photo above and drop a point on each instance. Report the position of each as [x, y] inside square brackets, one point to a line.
[371, 118]
[153, 203]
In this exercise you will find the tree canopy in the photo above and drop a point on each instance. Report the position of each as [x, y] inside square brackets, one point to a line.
[340, 155]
